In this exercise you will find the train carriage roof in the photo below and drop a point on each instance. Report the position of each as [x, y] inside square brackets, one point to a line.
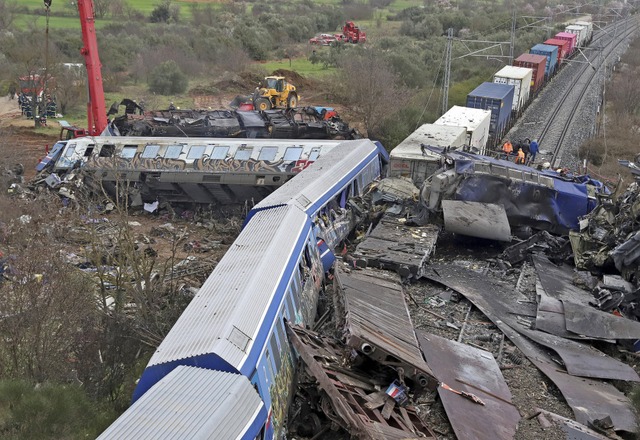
[313, 187]
[222, 326]
[193, 403]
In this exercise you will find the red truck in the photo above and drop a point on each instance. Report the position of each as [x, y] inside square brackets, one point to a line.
[352, 33]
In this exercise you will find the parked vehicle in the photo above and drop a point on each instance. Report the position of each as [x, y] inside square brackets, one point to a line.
[325, 40]
[352, 33]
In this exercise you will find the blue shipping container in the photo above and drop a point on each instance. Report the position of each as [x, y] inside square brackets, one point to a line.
[495, 97]
[549, 51]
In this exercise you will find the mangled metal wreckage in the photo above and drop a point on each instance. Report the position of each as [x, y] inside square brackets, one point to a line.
[491, 198]
[293, 123]
[172, 169]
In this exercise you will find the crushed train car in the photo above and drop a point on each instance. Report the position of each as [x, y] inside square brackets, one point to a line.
[293, 123]
[200, 170]
[530, 198]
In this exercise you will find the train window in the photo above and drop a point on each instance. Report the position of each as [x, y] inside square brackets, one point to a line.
[295, 297]
[107, 150]
[243, 154]
[275, 351]
[89, 150]
[70, 150]
[290, 310]
[219, 153]
[196, 151]
[315, 153]
[173, 152]
[281, 333]
[268, 153]
[271, 374]
[150, 151]
[129, 151]
[292, 153]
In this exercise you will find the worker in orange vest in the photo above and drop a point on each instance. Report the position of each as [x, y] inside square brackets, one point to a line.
[507, 149]
[521, 157]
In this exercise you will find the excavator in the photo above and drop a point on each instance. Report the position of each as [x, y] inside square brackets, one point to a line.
[276, 93]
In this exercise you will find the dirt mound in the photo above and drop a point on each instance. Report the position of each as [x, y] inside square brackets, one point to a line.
[293, 77]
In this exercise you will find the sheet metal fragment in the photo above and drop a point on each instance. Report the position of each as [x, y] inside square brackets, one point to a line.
[482, 220]
[580, 317]
[378, 322]
[474, 371]
[589, 399]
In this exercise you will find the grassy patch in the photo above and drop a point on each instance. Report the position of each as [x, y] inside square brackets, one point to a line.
[300, 65]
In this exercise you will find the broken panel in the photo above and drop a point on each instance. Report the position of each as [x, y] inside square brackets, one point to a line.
[378, 322]
[474, 371]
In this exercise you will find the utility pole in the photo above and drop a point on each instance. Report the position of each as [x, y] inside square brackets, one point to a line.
[513, 37]
[36, 107]
[447, 72]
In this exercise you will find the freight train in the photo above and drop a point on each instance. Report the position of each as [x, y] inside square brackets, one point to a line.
[226, 368]
[492, 108]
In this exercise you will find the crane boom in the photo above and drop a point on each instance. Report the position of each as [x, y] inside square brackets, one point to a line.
[96, 109]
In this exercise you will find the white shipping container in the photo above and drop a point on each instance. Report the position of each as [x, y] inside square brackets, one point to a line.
[589, 27]
[475, 120]
[580, 31]
[409, 160]
[520, 78]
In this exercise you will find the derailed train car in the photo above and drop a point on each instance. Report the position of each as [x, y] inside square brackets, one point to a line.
[201, 170]
[529, 198]
[232, 336]
[294, 123]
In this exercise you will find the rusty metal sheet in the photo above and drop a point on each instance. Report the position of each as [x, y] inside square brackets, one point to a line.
[475, 371]
[588, 398]
[350, 404]
[581, 318]
[475, 219]
[392, 245]
[378, 322]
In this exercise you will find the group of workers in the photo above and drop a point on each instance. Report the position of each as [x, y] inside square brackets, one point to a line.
[524, 155]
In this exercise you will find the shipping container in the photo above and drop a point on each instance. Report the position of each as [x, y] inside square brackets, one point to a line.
[475, 120]
[410, 159]
[551, 52]
[499, 99]
[589, 34]
[580, 31]
[520, 79]
[571, 38]
[562, 45]
[537, 63]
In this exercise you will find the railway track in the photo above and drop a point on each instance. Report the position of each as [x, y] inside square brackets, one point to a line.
[567, 109]
[557, 116]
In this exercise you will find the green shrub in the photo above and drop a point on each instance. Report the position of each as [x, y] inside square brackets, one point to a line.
[168, 79]
[48, 411]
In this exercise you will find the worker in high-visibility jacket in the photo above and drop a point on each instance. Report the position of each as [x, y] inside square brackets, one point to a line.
[521, 157]
[507, 149]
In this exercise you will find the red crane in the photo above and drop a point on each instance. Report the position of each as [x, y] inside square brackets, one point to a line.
[96, 109]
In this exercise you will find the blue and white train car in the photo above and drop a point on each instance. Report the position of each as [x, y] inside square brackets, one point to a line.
[323, 190]
[235, 323]
[194, 403]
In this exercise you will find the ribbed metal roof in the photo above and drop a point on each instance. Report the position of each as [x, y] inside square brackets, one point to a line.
[226, 314]
[325, 174]
[192, 403]
[492, 90]
[514, 72]
[430, 134]
[467, 117]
